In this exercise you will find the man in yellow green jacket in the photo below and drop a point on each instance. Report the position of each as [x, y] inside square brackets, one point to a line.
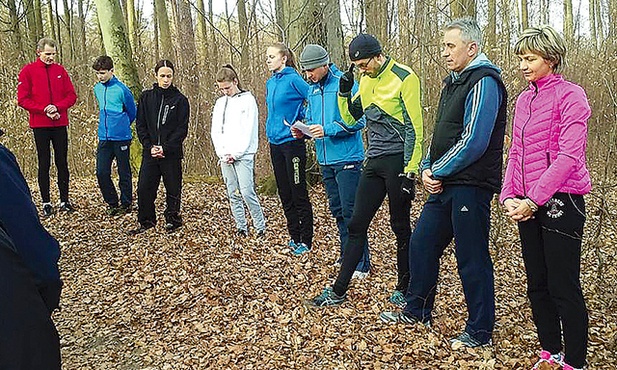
[389, 99]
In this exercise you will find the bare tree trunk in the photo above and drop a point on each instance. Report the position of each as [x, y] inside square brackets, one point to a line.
[38, 18]
[490, 32]
[544, 11]
[202, 33]
[81, 23]
[14, 31]
[377, 19]
[243, 28]
[30, 19]
[68, 24]
[186, 49]
[612, 14]
[334, 31]
[568, 22]
[155, 38]
[99, 32]
[279, 9]
[132, 25]
[524, 15]
[166, 49]
[231, 39]
[58, 34]
[50, 19]
[592, 23]
[463, 8]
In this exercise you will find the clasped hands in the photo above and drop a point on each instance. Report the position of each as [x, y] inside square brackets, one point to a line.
[520, 210]
[157, 151]
[52, 112]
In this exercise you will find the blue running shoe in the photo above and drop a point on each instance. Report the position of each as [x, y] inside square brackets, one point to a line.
[326, 298]
[301, 248]
[398, 299]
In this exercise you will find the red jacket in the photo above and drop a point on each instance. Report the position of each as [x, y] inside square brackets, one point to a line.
[41, 84]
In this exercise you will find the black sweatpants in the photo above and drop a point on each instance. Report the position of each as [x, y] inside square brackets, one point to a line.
[58, 138]
[552, 253]
[28, 336]
[380, 176]
[150, 173]
[289, 164]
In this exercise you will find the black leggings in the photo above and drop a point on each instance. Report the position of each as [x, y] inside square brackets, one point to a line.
[380, 176]
[289, 164]
[59, 140]
[552, 254]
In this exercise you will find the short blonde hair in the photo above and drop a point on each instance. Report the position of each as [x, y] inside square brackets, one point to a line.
[544, 41]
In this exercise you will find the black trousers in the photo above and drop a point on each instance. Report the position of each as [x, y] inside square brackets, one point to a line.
[150, 173]
[552, 254]
[289, 164]
[28, 336]
[380, 176]
[58, 138]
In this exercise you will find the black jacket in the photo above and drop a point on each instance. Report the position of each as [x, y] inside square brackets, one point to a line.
[163, 119]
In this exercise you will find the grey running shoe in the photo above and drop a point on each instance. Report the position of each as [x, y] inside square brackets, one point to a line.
[396, 317]
[466, 340]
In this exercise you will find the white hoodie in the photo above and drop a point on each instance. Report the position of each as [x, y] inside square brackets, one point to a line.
[235, 125]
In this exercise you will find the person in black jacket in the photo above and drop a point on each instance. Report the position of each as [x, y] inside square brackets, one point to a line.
[162, 125]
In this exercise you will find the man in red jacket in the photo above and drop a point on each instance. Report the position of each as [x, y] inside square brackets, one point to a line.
[46, 92]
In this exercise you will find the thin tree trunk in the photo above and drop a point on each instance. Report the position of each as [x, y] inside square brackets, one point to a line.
[279, 8]
[132, 25]
[463, 8]
[376, 19]
[243, 29]
[155, 39]
[82, 28]
[51, 24]
[68, 24]
[568, 21]
[186, 49]
[38, 17]
[524, 15]
[166, 48]
[334, 31]
[202, 32]
[490, 33]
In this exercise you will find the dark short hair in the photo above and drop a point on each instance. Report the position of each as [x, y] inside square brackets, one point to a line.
[164, 63]
[103, 62]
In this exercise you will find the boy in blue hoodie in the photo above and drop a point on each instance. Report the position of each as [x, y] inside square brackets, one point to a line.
[116, 112]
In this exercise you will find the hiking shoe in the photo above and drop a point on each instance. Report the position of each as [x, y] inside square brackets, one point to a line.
[396, 317]
[66, 207]
[140, 229]
[466, 340]
[48, 210]
[398, 299]
[547, 357]
[113, 210]
[359, 275]
[326, 298]
[242, 233]
[171, 227]
[301, 248]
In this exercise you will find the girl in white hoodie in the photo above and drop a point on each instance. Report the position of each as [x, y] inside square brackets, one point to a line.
[234, 135]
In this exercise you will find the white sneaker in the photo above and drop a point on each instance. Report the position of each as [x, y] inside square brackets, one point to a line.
[359, 275]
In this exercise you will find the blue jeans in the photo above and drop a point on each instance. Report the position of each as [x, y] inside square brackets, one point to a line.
[238, 177]
[462, 213]
[341, 182]
[106, 151]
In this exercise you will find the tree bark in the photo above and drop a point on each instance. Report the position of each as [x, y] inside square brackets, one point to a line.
[186, 49]
[490, 33]
[377, 19]
[132, 25]
[568, 22]
[243, 28]
[166, 49]
[463, 8]
[524, 15]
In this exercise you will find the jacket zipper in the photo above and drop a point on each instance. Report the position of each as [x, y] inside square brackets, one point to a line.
[535, 94]
[105, 112]
[158, 121]
[51, 97]
[323, 124]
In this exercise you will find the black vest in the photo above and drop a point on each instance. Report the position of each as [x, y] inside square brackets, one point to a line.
[486, 171]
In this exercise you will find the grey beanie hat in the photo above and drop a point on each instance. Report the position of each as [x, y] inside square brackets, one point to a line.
[313, 56]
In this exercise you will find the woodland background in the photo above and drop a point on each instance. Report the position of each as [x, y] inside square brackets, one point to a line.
[200, 298]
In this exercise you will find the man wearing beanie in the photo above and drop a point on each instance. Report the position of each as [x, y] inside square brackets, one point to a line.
[388, 98]
[339, 148]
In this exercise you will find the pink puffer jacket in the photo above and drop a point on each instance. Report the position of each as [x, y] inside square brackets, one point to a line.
[549, 139]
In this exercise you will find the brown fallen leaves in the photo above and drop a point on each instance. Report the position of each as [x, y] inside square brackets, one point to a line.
[202, 299]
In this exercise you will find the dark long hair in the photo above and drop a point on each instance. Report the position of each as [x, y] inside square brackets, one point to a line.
[164, 63]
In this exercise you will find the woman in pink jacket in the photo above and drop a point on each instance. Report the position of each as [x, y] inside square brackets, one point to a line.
[543, 189]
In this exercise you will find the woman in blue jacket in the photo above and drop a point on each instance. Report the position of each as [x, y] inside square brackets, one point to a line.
[286, 93]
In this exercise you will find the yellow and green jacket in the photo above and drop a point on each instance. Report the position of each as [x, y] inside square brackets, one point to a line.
[391, 106]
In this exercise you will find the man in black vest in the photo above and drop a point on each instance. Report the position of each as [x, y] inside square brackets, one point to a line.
[461, 172]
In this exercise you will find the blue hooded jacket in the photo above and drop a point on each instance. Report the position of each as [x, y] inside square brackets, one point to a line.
[116, 110]
[341, 143]
[286, 92]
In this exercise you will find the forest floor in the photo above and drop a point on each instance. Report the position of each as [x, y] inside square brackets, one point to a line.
[202, 299]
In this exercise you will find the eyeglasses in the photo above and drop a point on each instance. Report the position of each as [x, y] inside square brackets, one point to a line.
[365, 64]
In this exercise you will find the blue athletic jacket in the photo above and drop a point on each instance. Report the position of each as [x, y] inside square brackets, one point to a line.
[341, 143]
[116, 110]
[286, 92]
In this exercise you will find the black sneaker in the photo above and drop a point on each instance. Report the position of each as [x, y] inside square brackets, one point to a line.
[66, 207]
[125, 209]
[48, 210]
[242, 233]
[261, 233]
[140, 229]
[171, 227]
[399, 317]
